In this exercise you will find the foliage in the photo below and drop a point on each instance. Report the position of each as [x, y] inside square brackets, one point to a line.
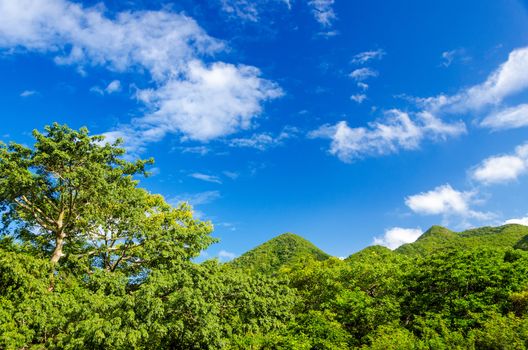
[88, 259]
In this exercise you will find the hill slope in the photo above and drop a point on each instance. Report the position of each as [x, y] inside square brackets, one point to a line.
[439, 238]
[280, 251]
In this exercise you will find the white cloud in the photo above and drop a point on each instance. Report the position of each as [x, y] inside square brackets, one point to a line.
[97, 90]
[396, 236]
[114, 86]
[264, 141]
[364, 57]
[509, 118]
[520, 221]
[201, 150]
[27, 93]
[396, 131]
[196, 199]
[323, 11]
[508, 79]
[248, 10]
[224, 255]
[361, 74]
[213, 101]
[444, 200]
[503, 168]
[188, 97]
[363, 86]
[359, 98]
[207, 178]
[450, 56]
[231, 174]
[243, 9]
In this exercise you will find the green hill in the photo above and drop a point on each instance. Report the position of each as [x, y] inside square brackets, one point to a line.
[372, 253]
[283, 250]
[439, 238]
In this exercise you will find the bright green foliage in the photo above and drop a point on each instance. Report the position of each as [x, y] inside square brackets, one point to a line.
[52, 195]
[89, 260]
[285, 250]
[439, 238]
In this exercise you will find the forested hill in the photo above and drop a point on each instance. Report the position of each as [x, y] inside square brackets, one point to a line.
[283, 250]
[289, 249]
[439, 238]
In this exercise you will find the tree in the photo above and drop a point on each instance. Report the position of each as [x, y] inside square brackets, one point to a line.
[53, 194]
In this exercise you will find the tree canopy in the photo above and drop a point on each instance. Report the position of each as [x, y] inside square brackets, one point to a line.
[89, 259]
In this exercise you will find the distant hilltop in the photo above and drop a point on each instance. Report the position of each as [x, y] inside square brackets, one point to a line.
[289, 249]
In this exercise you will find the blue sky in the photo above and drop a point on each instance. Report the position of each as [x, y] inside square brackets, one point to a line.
[347, 122]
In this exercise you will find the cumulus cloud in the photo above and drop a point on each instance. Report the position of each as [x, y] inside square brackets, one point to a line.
[213, 101]
[189, 97]
[445, 200]
[206, 178]
[396, 236]
[430, 121]
[396, 131]
[508, 118]
[364, 57]
[519, 221]
[502, 168]
[361, 74]
[323, 11]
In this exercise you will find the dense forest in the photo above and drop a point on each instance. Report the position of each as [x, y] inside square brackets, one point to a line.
[90, 259]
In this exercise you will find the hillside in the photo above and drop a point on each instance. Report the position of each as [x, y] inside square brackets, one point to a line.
[283, 250]
[439, 238]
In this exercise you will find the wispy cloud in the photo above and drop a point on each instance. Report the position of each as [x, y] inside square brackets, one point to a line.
[448, 57]
[112, 87]
[364, 57]
[359, 98]
[508, 118]
[264, 141]
[196, 199]
[508, 79]
[361, 74]
[206, 177]
[231, 174]
[323, 11]
[27, 93]
[249, 10]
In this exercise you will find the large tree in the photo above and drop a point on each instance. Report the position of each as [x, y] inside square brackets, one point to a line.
[56, 194]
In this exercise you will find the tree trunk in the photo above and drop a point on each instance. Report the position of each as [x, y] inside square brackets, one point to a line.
[59, 239]
[57, 252]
